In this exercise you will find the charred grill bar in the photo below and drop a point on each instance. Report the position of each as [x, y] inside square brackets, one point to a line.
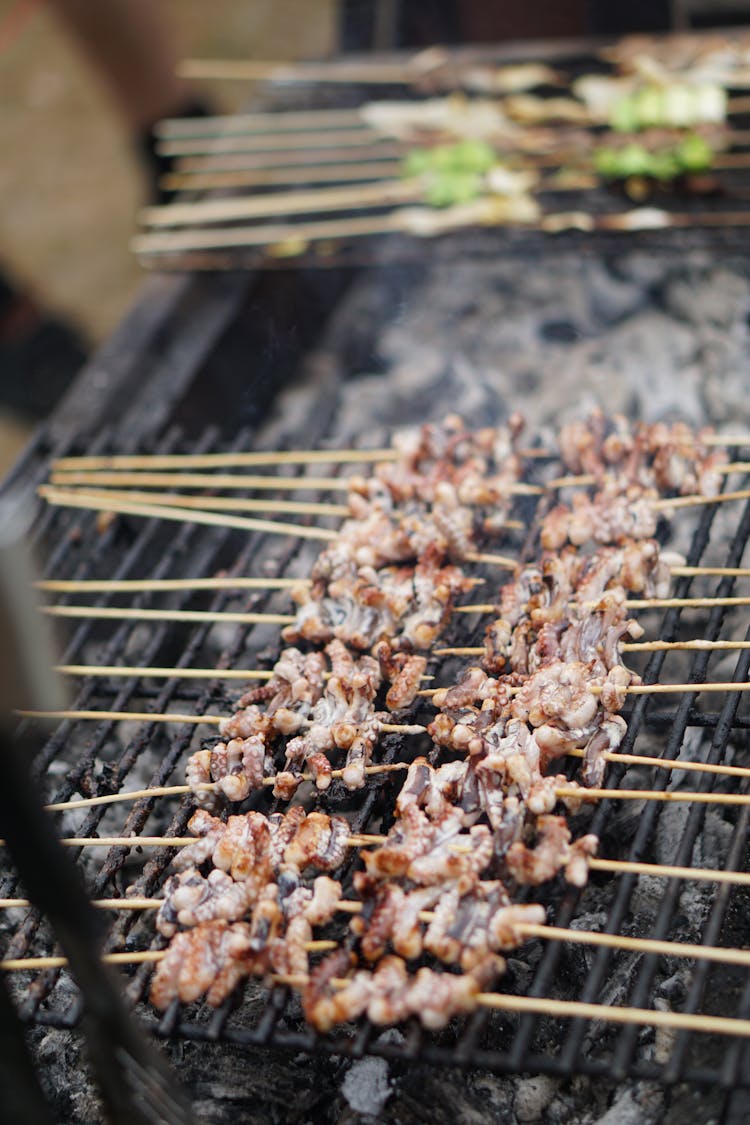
[173, 367]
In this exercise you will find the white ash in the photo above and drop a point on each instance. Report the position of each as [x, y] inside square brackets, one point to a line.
[366, 1086]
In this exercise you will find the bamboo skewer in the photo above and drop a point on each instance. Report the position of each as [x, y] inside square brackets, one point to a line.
[210, 786]
[65, 478]
[384, 193]
[203, 503]
[275, 121]
[127, 613]
[209, 178]
[706, 602]
[247, 458]
[359, 72]
[65, 499]
[690, 501]
[721, 955]
[177, 717]
[543, 1006]
[352, 136]
[183, 790]
[423, 221]
[164, 585]
[365, 839]
[130, 671]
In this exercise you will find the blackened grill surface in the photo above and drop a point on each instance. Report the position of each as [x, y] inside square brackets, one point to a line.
[416, 345]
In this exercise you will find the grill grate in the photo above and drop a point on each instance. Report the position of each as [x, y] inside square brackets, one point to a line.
[107, 758]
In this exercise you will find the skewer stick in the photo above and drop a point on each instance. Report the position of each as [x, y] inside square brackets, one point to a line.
[678, 796]
[147, 479]
[163, 585]
[275, 121]
[127, 613]
[314, 201]
[683, 646]
[707, 602]
[208, 178]
[668, 871]
[225, 460]
[182, 790]
[361, 839]
[359, 73]
[233, 480]
[29, 964]
[669, 763]
[356, 135]
[131, 671]
[631, 689]
[176, 717]
[63, 499]
[669, 503]
[205, 503]
[722, 955]
[543, 1006]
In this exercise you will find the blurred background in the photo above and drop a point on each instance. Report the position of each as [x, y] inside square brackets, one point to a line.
[71, 181]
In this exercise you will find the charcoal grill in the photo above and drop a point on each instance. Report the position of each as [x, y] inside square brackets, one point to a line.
[171, 368]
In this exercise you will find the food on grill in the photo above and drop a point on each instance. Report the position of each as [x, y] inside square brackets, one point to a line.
[389, 995]
[468, 832]
[408, 606]
[669, 459]
[667, 162]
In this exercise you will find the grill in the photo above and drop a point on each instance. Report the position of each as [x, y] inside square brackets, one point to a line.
[174, 365]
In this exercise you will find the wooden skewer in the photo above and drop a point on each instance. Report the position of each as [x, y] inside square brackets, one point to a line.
[145, 479]
[631, 689]
[668, 871]
[616, 866]
[203, 503]
[725, 956]
[153, 461]
[207, 178]
[182, 790]
[176, 717]
[131, 671]
[127, 613]
[250, 458]
[314, 201]
[690, 501]
[423, 221]
[164, 585]
[233, 480]
[543, 1006]
[359, 73]
[668, 763]
[707, 602]
[356, 135]
[273, 121]
[678, 796]
[29, 964]
[683, 646]
[61, 498]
